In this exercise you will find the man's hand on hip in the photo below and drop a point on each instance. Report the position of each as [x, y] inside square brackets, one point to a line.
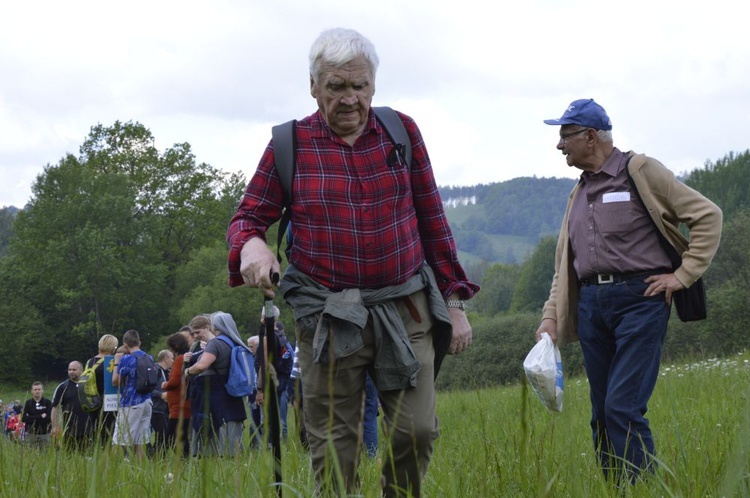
[666, 283]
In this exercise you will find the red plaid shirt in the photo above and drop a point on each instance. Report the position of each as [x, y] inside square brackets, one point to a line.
[357, 222]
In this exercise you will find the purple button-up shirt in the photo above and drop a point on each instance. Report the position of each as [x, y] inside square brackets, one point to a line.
[610, 230]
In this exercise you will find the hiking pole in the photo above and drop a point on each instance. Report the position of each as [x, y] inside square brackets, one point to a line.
[273, 402]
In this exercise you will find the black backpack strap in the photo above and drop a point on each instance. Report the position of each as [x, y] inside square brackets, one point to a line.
[395, 128]
[284, 152]
[672, 253]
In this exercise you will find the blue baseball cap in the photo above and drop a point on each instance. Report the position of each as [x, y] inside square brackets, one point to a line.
[584, 112]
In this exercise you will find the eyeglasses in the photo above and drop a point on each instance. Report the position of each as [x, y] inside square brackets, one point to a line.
[566, 136]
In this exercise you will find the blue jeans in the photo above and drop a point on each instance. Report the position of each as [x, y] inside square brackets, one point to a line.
[283, 404]
[370, 431]
[621, 333]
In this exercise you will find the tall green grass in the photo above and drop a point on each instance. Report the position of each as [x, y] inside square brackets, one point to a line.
[494, 443]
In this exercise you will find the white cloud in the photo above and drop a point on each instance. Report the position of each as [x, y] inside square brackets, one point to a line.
[478, 77]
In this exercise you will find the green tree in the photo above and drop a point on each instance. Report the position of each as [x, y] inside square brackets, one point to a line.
[525, 206]
[727, 280]
[732, 261]
[99, 244]
[23, 343]
[497, 284]
[89, 261]
[535, 278]
[177, 195]
[7, 216]
[474, 222]
[726, 182]
[202, 288]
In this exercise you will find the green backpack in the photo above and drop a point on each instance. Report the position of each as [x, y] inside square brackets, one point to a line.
[88, 391]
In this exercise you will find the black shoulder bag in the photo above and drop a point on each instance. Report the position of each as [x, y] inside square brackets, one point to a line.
[691, 302]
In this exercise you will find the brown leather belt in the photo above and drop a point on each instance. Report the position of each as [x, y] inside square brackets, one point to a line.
[413, 311]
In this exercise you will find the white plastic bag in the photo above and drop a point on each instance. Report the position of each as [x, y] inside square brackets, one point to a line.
[543, 367]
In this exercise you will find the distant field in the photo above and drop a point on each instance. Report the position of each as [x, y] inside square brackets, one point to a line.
[519, 247]
[461, 214]
[508, 248]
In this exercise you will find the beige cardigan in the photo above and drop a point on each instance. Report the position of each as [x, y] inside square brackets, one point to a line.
[669, 202]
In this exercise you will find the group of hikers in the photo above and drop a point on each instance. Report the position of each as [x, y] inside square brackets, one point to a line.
[160, 417]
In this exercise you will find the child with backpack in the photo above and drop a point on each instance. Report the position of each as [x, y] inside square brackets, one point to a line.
[135, 374]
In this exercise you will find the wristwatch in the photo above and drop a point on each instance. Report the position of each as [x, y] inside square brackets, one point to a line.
[455, 303]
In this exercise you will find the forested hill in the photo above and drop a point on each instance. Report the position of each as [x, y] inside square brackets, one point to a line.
[494, 223]
[502, 222]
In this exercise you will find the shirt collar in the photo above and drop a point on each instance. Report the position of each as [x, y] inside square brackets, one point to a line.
[614, 164]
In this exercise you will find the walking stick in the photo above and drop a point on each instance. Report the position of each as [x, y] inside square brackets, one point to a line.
[273, 402]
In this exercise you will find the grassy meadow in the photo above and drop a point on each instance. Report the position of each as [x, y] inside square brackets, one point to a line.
[496, 442]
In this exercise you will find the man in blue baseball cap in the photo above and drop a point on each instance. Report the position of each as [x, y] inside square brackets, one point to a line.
[584, 112]
[620, 259]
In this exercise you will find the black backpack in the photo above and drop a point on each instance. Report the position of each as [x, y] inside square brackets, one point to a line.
[284, 151]
[146, 374]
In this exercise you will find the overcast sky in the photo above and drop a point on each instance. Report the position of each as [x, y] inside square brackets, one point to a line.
[478, 76]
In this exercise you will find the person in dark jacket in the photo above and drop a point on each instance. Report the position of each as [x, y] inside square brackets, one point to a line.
[70, 422]
[37, 417]
[159, 408]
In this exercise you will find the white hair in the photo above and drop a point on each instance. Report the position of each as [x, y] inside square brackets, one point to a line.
[604, 136]
[338, 46]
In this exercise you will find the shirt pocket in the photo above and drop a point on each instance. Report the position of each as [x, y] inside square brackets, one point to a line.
[616, 217]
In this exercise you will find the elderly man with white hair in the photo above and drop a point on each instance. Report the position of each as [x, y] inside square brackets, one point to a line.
[620, 260]
[374, 277]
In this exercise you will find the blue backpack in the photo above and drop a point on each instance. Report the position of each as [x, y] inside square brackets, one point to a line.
[241, 377]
